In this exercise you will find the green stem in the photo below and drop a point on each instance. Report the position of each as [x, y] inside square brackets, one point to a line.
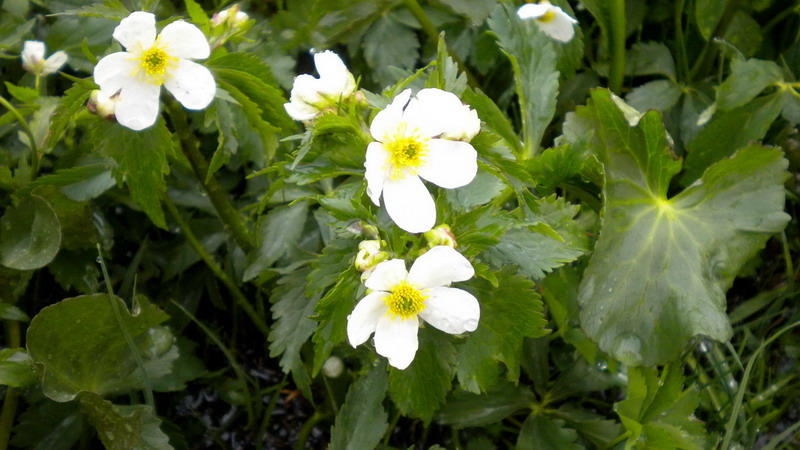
[148, 388]
[433, 35]
[617, 45]
[219, 198]
[683, 60]
[708, 54]
[302, 437]
[240, 299]
[705, 381]
[27, 130]
[13, 339]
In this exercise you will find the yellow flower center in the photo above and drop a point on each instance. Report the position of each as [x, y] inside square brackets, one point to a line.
[407, 153]
[547, 17]
[406, 301]
[155, 65]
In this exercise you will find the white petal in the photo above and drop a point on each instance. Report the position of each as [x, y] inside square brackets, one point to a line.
[137, 107]
[435, 112]
[184, 40]
[440, 266]
[300, 111]
[451, 310]
[449, 164]
[409, 204]
[32, 53]
[306, 90]
[560, 28]
[396, 339]
[335, 79]
[532, 10]
[387, 275]
[54, 62]
[137, 31]
[386, 122]
[362, 322]
[114, 71]
[192, 84]
[375, 165]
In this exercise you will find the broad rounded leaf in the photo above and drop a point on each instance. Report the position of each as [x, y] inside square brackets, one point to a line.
[661, 266]
[80, 347]
[30, 234]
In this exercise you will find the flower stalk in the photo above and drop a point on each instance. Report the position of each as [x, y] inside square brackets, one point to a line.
[222, 203]
[616, 36]
[240, 299]
[13, 340]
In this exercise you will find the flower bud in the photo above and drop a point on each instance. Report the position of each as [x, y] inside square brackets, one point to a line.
[103, 105]
[233, 16]
[441, 235]
[333, 367]
[369, 255]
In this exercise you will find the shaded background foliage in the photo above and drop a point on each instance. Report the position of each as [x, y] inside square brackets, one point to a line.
[234, 319]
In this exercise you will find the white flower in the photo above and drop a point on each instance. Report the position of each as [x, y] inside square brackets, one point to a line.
[233, 16]
[412, 135]
[312, 95]
[33, 59]
[138, 73]
[552, 20]
[399, 298]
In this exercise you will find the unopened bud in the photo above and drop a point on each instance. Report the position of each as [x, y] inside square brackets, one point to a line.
[333, 367]
[233, 16]
[103, 105]
[369, 255]
[441, 235]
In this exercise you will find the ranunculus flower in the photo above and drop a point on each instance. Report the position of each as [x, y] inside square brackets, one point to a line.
[552, 20]
[312, 95]
[33, 59]
[416, 138]
[399, 298]
[151, 61]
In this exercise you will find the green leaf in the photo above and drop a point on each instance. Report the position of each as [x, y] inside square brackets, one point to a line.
[107, 9]
[279, 232]
[748, 78]
[227, 142]
[31, 234]
[197, 15]
[707, 15]
[388, 43]
[661, 266]
[509, 313]
[660, 95]
[76, 270]
[420, 389]
[658, 412]
[16, 368]
[293, 326]
[476, 11]
[729, 131]
[49, 425]
[332, 311]
[141, 158]
[253, 113]
[124, 427]
[81, 348]
[546, 433]
[493, 117]
[650, 58]
[76, 219]
[361, 421]
[480, 191]
[11, 312]
[533, 59]
[22, 93]
[464, 409]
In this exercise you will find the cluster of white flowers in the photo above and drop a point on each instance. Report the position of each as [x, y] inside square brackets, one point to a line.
[136, 75]
[34, 62]
[552, 20]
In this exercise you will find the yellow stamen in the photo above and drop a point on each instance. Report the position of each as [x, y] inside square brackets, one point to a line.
[407, 153]
[155, 65]
[405, 302]
[547, 17]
